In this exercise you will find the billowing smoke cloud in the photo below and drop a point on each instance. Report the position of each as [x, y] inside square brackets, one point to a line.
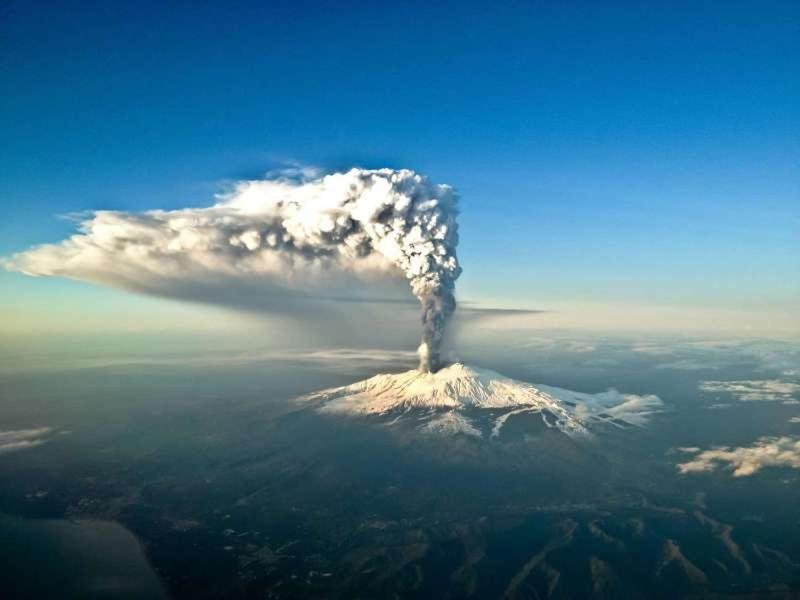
[299, 237]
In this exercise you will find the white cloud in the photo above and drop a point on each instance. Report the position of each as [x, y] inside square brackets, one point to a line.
[794, 420]
[22, 439]
[746, 460]
[654, 349]
[578, 346]
[687, 364]
[754, 390]
[351, 356]
[557, 343]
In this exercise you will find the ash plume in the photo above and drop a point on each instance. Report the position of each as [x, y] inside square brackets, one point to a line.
[298, 238]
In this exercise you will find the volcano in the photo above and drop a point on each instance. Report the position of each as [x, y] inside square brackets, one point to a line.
[455, 399]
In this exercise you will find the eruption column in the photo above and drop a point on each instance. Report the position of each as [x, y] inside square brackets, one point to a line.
[284, 231]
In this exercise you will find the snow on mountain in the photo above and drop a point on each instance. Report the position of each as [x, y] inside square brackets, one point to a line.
[455, 394]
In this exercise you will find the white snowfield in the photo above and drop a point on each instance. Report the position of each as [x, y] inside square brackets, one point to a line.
[452, 394]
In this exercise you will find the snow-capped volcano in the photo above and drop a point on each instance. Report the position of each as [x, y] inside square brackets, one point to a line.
[454, 395]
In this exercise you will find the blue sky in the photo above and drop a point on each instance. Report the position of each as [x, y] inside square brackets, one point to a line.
[607, 154]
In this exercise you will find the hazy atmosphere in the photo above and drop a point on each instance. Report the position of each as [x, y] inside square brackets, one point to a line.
[399, 300]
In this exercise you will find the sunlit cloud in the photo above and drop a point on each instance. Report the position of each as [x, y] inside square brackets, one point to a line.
[22, 439]
[766, 390]
[744, 460]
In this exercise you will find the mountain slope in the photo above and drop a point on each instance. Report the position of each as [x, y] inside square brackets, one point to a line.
[454, 394]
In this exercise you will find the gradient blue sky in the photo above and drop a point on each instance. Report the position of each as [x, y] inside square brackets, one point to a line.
[608, 154]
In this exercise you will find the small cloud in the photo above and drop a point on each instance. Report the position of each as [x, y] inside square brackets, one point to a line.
[766, 390]
[559, 345]
[715, 344]
[538, 342]
[580, 347]
[654, 349]
[22, 439]
[296, 173]
[794, 420]
[745, 460]
[342, 356]
[686, 364]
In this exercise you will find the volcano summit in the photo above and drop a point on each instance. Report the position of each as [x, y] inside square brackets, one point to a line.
[453, 400]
